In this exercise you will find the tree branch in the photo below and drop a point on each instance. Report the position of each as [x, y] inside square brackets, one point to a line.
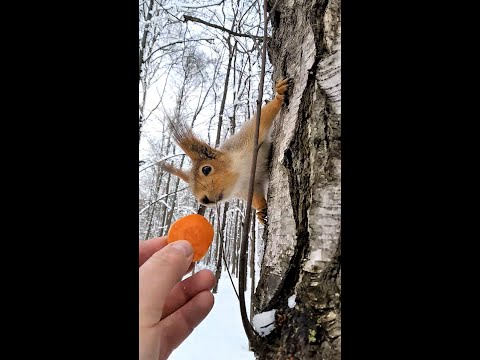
[229, 275]
[234, 33]
[174, 43]
[200, 6]
[160, 198]
[161, 160]
[252, 335]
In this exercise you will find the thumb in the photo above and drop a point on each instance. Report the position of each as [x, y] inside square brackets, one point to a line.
[157, 277]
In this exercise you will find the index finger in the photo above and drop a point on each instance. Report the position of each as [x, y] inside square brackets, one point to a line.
[157, 277]
[147, 248]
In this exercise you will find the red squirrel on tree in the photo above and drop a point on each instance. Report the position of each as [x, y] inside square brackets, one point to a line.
[219, 174]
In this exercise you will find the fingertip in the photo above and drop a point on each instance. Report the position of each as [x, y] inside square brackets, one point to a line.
[185, 246]
[171, 263]
[176, 253]
[207, 300]
[208, 277]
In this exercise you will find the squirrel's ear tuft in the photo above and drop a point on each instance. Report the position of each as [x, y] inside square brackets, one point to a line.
[203, 151]
[175, 171]
[195, 148]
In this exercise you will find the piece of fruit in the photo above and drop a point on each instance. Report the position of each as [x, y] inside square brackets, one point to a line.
[196, 230]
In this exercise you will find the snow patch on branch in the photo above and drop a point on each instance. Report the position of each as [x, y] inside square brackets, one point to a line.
[264, 323]
[291, 301]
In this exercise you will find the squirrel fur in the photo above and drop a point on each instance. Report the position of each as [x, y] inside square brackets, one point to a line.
[219, 174]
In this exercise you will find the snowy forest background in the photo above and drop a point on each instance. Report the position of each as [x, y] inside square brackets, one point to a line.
[200, 61]
[207, 76]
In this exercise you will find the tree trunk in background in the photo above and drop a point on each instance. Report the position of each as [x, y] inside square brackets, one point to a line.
[201, 210]
[208, 257]
[141, 54]
[221, 240]
[168, 222]
[302, 242]
[163, 230]
[252, 265]
[227, 244]
[174, 200]
[234, 247]
[158, 182]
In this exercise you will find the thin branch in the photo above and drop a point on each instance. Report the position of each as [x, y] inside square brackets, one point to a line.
[161, 160]
[234, 33]
[231, 51]
[200, 106]
[167, 11]
[199, 6]
[252, 335]
[246, 12]
[174, 43]
[229, 275]
[160, 198]
[145, 118]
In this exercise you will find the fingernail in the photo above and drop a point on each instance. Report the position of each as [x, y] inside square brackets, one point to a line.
[185, 246]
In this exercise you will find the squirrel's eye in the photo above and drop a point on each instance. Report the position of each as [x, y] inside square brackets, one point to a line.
[206, 170]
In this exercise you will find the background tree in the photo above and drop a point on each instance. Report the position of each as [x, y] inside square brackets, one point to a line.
[302, 243]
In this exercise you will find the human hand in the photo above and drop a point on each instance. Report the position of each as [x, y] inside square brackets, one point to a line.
[169, 309]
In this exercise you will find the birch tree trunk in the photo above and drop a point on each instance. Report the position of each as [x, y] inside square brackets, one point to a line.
[302, 241]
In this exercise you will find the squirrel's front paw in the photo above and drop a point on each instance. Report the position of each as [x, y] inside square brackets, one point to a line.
[262, 216]
[281, 87]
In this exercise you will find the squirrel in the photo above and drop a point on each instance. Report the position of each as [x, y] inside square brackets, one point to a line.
[219, 174]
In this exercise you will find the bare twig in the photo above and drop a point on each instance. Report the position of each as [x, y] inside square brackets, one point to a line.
[174, 43]
[160, 198]
[228, 271]
[220, 234]
[231, 32]
[200, 6]
[246, 12]
[166, 9]
[161, 160]
[253, 337]
[231, 51]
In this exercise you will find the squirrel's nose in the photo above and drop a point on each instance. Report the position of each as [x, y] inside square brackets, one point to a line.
[205, 200]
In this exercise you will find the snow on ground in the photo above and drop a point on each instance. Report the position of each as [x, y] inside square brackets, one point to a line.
[221, 335]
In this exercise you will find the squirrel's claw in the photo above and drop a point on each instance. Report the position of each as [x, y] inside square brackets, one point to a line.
[262, 216]
[282, 86]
